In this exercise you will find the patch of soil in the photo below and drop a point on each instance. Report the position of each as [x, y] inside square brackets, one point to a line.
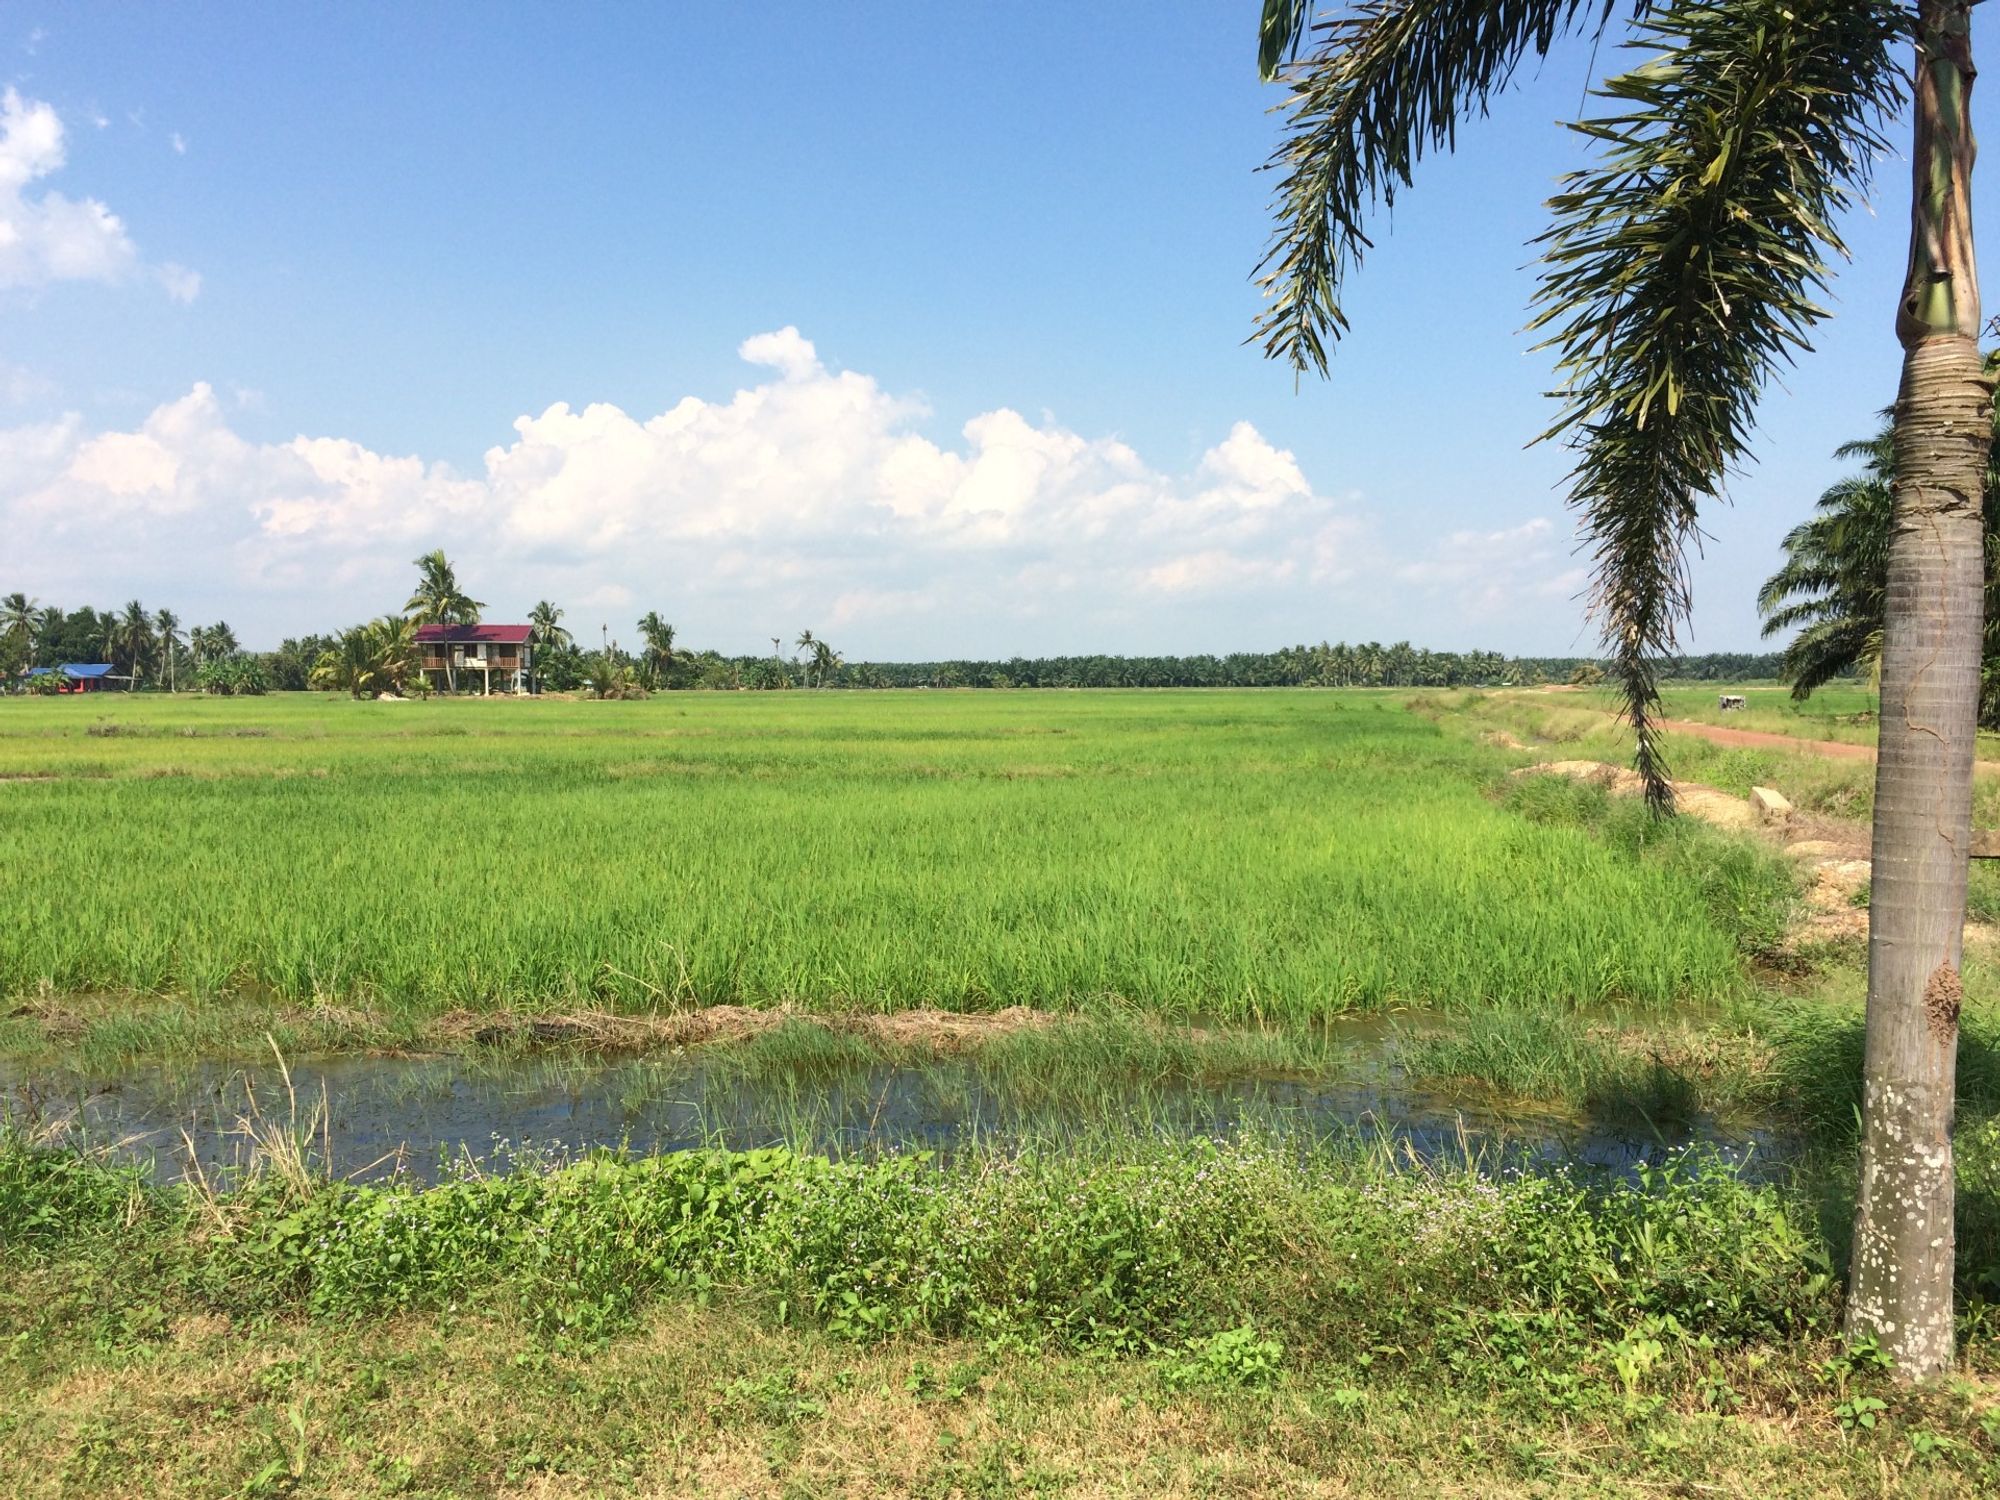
[60, 1023]
[943, 1032]
[602, 1031]
[1817, 836]
[1765, 739]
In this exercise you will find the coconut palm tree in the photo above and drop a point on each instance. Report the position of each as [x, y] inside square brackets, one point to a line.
[438, 600]
[167, 631]
[825, 662]
[131, 639]
[369, 660]
[347, 665]
[659, 638]
[19, 617]
[222, 640]
[546, 632]
[807, 640]
[1683, 266]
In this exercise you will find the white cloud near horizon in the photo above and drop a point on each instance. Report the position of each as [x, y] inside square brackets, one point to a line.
[811, 496]
[1490, 573]
[47, 236]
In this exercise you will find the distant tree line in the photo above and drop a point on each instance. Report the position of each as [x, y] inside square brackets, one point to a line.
[380, 656]
[1326, 665]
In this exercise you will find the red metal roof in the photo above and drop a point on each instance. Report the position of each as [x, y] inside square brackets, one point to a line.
[466, 635]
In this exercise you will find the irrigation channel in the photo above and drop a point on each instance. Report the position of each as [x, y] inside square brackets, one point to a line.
[370, 1117]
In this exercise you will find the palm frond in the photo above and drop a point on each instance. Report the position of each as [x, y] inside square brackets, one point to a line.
[1386, 81]
[1682, 271]
[1279, 33]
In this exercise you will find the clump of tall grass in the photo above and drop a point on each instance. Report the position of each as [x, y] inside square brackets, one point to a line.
[798, 1050]
[1537, 1055]
[1078, 1057]
[1068, 1059]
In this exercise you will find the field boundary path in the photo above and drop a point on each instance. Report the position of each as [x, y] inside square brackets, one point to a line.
[1767, 739]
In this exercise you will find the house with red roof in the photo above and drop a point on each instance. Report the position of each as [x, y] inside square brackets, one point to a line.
[490, 658]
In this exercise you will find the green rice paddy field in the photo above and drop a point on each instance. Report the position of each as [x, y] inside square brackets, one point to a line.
[1105, 1302]
[1256, 855]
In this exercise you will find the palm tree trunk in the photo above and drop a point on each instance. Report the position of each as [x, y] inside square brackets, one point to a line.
[1900, 1288]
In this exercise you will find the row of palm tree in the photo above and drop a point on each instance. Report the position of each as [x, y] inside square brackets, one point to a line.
[142, 644]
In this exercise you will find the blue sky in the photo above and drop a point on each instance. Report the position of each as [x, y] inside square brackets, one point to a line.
[386, 278]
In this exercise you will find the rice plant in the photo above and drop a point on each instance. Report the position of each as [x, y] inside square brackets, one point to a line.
[310, 864]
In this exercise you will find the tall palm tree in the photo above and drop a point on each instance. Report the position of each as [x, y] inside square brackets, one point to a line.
[167, 631]
[806, 642]
[132, 639]
[825, 662]
[659, 638]
[198, 647]
[546, 632]
[438, 600]
[1683, 266]
[222, 640]
[1835, 575]
[19, 617]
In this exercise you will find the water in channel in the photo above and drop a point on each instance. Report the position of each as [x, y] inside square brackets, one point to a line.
[370, 1117]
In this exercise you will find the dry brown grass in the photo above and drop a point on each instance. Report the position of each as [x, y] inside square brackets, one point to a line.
[469, 1405]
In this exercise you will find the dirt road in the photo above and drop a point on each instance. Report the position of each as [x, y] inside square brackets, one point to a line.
[1764, 739]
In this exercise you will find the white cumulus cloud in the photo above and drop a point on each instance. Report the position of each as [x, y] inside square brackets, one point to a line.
[810, 496]
[48, 236]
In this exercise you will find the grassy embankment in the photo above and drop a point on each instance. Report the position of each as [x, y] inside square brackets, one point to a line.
[1129, 1318]
[191, 873]
[1584, 725]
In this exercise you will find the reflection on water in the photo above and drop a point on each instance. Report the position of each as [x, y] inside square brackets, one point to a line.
[389, 1114]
